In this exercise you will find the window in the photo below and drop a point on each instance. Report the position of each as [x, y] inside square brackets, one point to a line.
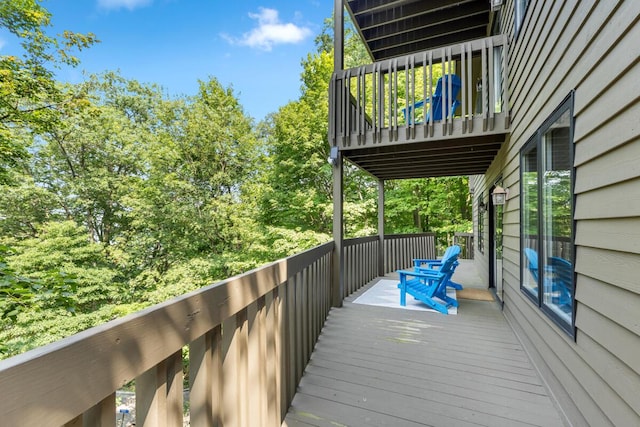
[520, 9]
[547, 226]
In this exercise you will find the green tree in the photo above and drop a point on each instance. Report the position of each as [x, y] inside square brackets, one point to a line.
[439, 205]
[191, 202]
[93, 159]
[20, 293]
[29, 95]
[299, 193]
[64, 247]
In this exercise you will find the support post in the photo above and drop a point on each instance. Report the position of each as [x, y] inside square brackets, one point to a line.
[338, 35]
[337, 281]
[337, 290]
[381, 269]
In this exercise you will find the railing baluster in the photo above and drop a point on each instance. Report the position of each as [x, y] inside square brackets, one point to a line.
[333, 114]
[230, 412]
[505, 84]
[306, 331]
[444, 88]
[465, 84]
[291, 338]
[470, 87]
[485, 87]
[424, 92]
[491, 89]
[274, 328]
[430, 95]
[201, 374]
[256, 374]
[381, 98]
[242, 337]
[450, 101]
[158, 396]
[348, 109]
[374, 102]
[363, 109]
[101, 415]
[413, 96]
[408, 101]
[358, 110]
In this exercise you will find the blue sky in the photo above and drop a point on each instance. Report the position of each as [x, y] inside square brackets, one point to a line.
[254, 46]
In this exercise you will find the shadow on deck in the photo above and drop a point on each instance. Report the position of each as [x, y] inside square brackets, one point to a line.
[394, 367]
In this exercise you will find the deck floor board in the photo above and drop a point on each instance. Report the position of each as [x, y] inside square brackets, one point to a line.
[378, 366]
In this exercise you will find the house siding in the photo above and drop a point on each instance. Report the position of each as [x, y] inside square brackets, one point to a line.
[590, 47]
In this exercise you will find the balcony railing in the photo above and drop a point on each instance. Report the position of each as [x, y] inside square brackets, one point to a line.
[368, 104]
[249, 339]
[363, 262]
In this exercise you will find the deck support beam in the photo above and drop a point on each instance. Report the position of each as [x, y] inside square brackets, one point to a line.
[337, 291]
[381, 270]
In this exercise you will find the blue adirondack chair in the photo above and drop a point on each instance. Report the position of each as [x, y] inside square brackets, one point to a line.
[440, 95]
[431, 264]
[559, 273]
[532, 258]
[429, 286]
[562, 278]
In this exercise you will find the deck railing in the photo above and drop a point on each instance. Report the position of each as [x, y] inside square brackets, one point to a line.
[274, 314]
[400, 249]
[249, 339]
[465, 241]
[368, 104]
[362, 256]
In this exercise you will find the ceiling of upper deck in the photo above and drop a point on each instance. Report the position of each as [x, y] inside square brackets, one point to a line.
[398, 27]
[452, 157]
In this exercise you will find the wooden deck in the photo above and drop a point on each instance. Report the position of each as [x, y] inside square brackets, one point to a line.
[378, 366]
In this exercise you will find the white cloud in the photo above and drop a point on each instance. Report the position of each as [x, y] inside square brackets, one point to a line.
[126, 4]
[270, 31]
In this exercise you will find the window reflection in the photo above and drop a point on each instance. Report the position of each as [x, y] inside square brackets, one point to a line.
[547, 263]
[557, 209]
[530, 220]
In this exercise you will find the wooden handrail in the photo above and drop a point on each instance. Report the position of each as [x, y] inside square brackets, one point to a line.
[272, 313]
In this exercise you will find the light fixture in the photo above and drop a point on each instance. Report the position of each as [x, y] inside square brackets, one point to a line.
[499, 195]
[333, 156]
[482, 206]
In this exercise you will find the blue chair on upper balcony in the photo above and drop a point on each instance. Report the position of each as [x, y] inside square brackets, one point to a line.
[439, 97]
[435, 264]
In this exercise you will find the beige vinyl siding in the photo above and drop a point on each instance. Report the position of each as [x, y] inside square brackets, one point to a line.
[592, 47]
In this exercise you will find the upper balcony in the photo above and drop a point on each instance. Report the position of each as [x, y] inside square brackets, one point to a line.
[374, 124]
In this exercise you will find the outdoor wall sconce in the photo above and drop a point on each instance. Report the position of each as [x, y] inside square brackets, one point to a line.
[333, 156]
[482, 206]
[499, 195]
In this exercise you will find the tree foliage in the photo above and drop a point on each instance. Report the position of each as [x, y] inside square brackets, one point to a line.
[437, 205]
[128, 197]
[29, 93]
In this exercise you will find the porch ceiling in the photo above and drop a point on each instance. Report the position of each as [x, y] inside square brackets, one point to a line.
[398, 27]
[465, 156]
